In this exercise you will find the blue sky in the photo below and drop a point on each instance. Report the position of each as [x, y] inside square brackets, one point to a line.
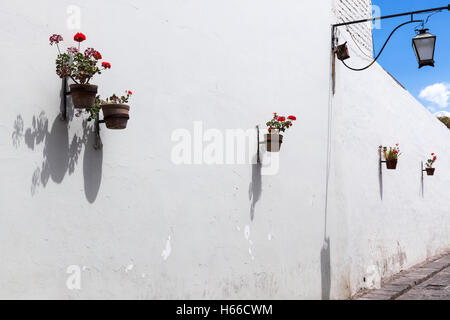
[431, 86]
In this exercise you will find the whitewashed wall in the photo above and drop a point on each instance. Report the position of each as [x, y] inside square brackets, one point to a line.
[385, 236]
[140, 226]
[392, 221]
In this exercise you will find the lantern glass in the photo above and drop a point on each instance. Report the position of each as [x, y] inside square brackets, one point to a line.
[424, 44]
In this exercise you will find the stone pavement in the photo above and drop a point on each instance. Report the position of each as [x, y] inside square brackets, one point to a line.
[427, 281]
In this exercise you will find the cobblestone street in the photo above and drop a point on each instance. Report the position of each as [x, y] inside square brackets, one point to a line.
[428, 281]
[436, 288]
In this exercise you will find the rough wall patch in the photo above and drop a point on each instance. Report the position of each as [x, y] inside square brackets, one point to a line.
[168, 250]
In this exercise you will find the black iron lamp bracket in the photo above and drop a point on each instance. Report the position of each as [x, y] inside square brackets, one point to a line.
[411, 14]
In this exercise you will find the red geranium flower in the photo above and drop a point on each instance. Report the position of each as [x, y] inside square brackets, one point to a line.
[432, 154]
[281, 119]
[55, 38]
[129, 92]
[106, 65]
[97, 55]
[79, 37]
[292, 118]
[90, 52]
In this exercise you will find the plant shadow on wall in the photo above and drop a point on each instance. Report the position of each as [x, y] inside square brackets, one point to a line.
[59, 156]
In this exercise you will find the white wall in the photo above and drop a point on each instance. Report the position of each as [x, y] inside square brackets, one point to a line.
[403, 228]
[143, 227]
[392, 221]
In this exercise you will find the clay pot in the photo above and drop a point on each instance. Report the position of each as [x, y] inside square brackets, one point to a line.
[115, 115]
[83, 95]
[430, 171]
[273, 142]
[391, 164]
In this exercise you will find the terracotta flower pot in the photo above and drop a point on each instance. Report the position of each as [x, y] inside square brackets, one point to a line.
[430, 171]
[115, 115]
[273, 142]
[391, 164]
[83, 95]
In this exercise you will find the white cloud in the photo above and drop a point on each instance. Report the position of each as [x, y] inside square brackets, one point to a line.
[442, 114]
[431, 109]
[438, 93]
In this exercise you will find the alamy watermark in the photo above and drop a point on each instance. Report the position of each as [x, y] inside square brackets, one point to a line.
[201, 146]
[376, 12]
[73, 281]
[73, 21]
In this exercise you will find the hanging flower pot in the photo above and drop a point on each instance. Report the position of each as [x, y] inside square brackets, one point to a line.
[273, 142]
[83, 95]
[115, 115]
[275, 126]
[391, 164]
[429, 165]
[81, 68]
[116, 111]
[391, 156]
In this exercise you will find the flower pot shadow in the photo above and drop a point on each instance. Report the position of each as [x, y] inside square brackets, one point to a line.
[59, 156]
[92, 169]
[56, 153]
[255, 187]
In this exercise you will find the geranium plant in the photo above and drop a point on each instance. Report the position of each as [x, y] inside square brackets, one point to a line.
[275, 126]
[391, 156]
[431, 161]
[94, 111]
[122, 99]
[114, 99]
[80, 67]
[393, 153]
[279, 123]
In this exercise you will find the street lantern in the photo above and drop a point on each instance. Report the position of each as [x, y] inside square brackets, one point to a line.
[424, 44]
